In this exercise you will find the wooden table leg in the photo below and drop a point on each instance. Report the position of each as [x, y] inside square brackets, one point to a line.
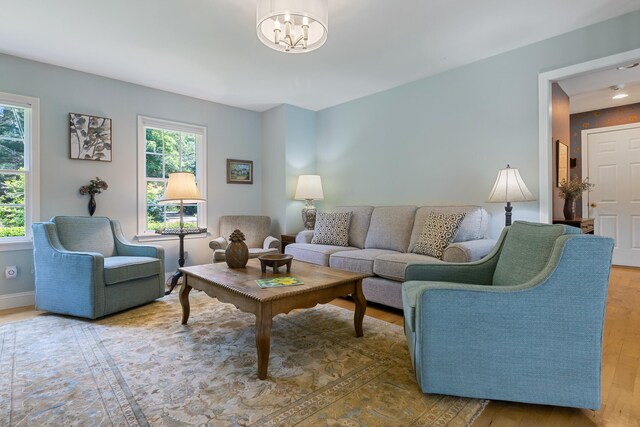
[263, 339]
[361, 307]
[184, 300]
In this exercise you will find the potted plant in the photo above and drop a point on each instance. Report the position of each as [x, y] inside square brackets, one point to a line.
[570, 191]
[95, 187]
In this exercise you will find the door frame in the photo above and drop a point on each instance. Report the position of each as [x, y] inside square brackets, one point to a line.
[585, 149]
[545, 80]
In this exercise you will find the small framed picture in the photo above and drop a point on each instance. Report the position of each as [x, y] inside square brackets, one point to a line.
[89, 137]
[239, 171]
[562, 157]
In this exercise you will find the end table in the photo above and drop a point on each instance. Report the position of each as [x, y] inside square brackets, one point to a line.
[180, 232]
[285, 239]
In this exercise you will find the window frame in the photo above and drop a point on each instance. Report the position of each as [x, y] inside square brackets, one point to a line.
[201, 172]
[31, 169]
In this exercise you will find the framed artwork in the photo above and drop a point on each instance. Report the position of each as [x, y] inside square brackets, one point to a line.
[562, 157]
[89, 137]
[239, 171]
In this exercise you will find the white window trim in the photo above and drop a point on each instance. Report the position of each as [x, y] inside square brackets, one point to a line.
[201, 176]
[32, 176]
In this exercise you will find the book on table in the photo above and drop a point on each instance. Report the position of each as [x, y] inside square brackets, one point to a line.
[279, 281]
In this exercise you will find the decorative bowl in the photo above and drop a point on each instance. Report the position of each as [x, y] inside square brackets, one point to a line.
[275, 261]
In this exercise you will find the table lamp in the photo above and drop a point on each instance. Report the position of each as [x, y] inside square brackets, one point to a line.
[309, 189]
[509, 187]
[182, 189]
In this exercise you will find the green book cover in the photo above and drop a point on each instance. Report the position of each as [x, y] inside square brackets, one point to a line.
[279, 281]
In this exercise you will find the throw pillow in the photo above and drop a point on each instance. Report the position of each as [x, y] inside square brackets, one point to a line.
[332, 228]
[438, 231]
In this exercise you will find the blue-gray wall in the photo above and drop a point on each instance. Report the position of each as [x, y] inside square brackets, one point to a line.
[442, 139]
[232, 133]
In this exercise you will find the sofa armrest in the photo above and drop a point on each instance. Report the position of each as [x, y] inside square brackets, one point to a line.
[271, 242]
[304, 236]
[126, 248]
[218, 243]
[478, 272]
[471, 250]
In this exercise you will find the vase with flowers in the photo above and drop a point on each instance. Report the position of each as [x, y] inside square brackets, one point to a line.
[570, 191]
[96, 186]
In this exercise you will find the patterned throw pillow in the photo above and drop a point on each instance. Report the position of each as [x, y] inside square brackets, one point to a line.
[332, 228]
[438, 231]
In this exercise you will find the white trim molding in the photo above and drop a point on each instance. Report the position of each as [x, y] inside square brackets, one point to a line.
[545, 80]
[18, 299]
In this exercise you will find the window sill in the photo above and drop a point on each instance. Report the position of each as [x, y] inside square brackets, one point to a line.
[23, 244]
[160, 237]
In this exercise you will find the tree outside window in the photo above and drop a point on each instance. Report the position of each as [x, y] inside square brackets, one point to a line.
[12, 171]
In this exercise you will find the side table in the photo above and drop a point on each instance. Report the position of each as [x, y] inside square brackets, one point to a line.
[180, 232]
[585, 224]
[285, 239]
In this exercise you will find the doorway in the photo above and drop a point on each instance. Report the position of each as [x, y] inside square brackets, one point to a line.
[545, 80]
[611, 156]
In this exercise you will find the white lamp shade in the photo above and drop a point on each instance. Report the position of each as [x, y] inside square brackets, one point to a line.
[510, 187]
[314, 12]
[181, 188]
[309, 187]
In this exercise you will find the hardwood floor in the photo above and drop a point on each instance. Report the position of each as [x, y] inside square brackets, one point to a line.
[620, 364]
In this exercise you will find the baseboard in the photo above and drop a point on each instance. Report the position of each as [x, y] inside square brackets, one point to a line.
[19, 299]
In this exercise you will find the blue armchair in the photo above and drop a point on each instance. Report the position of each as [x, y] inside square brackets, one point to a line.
[85, 267]
[522, 324]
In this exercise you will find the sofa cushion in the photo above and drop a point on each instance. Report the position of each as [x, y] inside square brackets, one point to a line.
[526, 251]
[118, 269]
[86, 234]
[359, 261]
[438, 231]
[390, 228]
[473, 227]
[332, 228]
[360, 219]
[315, 254]
[391, 266]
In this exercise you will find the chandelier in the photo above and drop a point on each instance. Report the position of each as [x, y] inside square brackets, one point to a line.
[294, 26]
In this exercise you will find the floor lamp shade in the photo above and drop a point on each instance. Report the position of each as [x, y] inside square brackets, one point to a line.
[181, 188]
[309, 189]
[509, 187]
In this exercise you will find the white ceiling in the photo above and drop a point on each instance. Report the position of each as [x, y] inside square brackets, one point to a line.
[208, 48]
[593, 91]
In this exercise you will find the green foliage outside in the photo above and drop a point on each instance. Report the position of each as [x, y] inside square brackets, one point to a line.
[167, 152]
[11, 159]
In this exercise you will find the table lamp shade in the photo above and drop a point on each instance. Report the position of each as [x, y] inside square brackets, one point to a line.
[181, 188]
[309, 187]
[509, 187]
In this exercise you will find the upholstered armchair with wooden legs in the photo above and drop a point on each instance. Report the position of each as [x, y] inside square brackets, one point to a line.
[256, 230]
[522, 324]
[85, 267]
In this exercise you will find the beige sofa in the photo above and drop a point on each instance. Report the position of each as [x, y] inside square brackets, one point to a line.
[381, 241]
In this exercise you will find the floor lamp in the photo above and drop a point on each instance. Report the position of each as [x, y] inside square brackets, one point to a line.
[509, 187]
[181, 189]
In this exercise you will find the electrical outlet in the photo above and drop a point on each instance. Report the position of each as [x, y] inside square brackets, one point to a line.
[11, 272]
[186, 254]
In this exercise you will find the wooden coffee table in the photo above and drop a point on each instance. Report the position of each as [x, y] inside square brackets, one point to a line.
[239, 287]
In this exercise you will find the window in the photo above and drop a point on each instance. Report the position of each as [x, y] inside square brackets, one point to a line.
[165, 147]
[19, 197]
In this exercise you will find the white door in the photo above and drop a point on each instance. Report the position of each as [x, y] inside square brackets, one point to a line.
[613, 165]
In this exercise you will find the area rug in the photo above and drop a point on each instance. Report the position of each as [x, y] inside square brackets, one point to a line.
[143, 368]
